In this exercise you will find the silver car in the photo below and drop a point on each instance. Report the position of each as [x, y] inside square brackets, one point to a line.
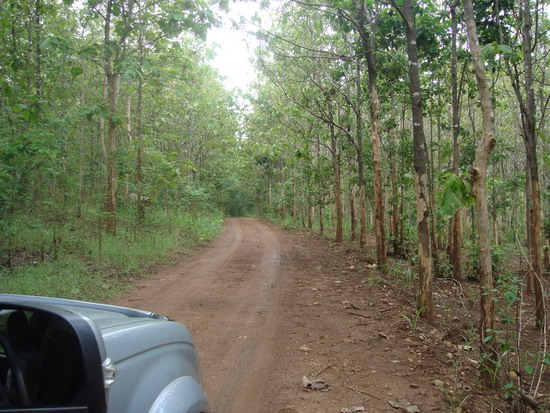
[61, 355]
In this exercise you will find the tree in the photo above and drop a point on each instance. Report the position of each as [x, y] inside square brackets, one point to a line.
[367, 40]
[456, 229]
[425, 277]
[479, 189]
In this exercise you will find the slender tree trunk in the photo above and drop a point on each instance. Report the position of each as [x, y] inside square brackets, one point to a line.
[269, 192]
[339, 236]
[360, 164]
[368, 49]
[431, 204]
[37, 193]
[139, 153]
[352, 208]
[112, 98]
[530, 140]
[38, 51]
[294, 206]
[129, 137]
[394, 219]
[528, 226]
[102, 125]
[369, 46]
[456, 228]
[282, 208]
[479, 189]
[81, 161]
[321, 219]
[113, 87]
[305, 204]
[425, 276]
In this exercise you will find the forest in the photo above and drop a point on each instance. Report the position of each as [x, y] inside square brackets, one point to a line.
[414, 129]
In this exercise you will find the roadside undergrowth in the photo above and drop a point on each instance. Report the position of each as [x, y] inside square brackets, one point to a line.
[76, 258]
[522, 373]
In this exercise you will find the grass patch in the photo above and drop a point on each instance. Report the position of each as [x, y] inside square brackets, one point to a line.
[76, 259]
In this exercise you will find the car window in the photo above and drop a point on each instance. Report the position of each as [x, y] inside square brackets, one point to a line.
[41, 362]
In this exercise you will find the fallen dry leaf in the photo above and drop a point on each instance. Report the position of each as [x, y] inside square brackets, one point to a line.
[314, 384]
[353, 409]
[404, 405]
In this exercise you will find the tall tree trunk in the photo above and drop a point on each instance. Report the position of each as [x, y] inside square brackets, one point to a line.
[282, 207]
[294, 206]
[368, 48]
[37, 189]
[335, 152]
[394, 202]
[102, 144]
[528, 225]
[425, 276]
[112, 98]
[456, 228]
[530, 140]
[367, 40]
[352, 210]
[130, 139]
[321, 219]
[269, 192]
[139, 161]
[81, 160]
[113, 81]
[38, 51]
[479, 189]
[360, 163]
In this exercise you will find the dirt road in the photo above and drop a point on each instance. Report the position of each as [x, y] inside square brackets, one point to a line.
[228, 296]
[267, 307]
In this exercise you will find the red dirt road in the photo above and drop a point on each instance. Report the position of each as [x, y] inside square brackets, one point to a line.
[228, 296]
[267, 307]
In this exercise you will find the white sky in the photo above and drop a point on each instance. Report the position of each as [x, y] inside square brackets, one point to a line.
[235, 46]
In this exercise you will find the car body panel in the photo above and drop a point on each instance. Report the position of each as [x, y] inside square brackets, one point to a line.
[157, 369]
[183, 388]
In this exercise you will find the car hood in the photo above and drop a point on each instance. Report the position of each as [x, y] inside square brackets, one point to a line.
[124, 332]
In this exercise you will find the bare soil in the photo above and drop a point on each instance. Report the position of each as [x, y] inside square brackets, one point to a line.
[267, 307]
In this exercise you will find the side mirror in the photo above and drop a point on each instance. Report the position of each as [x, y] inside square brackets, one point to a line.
[50, 361]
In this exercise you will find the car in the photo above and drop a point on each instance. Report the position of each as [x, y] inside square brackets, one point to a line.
[60, 355]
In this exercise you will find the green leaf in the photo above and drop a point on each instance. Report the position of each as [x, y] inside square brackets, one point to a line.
[16, 64]
[509, 385]
[76, 71]
[528, 368]
[87, 51]
[115, 9]
[505, 49]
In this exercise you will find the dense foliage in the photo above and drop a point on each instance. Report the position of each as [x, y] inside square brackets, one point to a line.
[424, 123]
[115, 133]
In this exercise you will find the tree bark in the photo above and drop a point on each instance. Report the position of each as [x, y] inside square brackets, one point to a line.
[339, 236]
[321, 220]
[456, 227]
[294, 206]
[530, 140]
[113, 82]
[352, 210]
[367, 40]
[360, 165]
[479, 189]
[139, 161]
[394, 218]
[425, 275]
